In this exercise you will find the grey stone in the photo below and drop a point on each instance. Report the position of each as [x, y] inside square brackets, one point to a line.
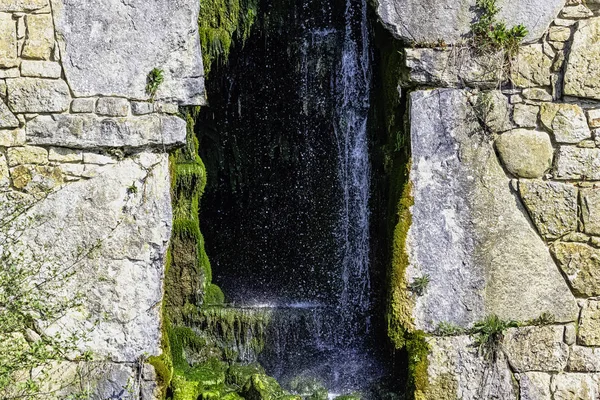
[141, 107]
[525, 153]
[535, 386]
[583, 64]
[4, 173]
[576, 387]
[551, 205]
[167, 108]
[455, 67]
[465, 217]
[577, 163]
[450, 20]
[9, 73]
[12, 137]
[84, 131]
[83, 105]
[584, 359]
[41, 69]
[590, 211]
[112, 106]
[27, 155]
[40, 37]
[566, 121]
[531, 67]
[559, 33]
[72, 169]
[22, 5]
[7, 118]
[494, 111]
[580, 264]
[570, 334]
[537, 94]
[156, 34]
[99, 159]
[578, 11]
[8, 40]
[589, 324]
[526, 116]
[457, 371]
[593, 118]
[62, 154]
[32, 95]
[536, 348]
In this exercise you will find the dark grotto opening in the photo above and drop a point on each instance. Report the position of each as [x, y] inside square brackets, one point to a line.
[294, 211]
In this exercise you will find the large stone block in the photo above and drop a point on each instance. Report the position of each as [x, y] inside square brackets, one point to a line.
[457, 371]
[583, 64]
[535, 386]
[566, 121]
[7, 118]
[584, 359]
[589, 324]
[8, 40]
[82, 131]
[525, 153]
[22, 5]
[469, 232]
[551, 205]
[531, 67]
[576, 387]
[536, 348]
[577, 163]
[590, 211]
[111, 54]
[450, 20]
[39, 42]
[580, 263]
[34, 95]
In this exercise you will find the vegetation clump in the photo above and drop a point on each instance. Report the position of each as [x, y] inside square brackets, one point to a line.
[491, 34]
[153, 81]
[489, 334]
[419, 285]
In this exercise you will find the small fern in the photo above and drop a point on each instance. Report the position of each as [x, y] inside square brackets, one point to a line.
[153, 81]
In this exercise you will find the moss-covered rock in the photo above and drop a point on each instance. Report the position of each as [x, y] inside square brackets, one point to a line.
[261, 387]
[239, 374]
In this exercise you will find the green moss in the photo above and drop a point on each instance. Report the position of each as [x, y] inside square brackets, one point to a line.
[418, 350]
[214, 295]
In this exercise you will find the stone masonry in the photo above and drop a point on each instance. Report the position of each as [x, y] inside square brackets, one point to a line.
[84, 157]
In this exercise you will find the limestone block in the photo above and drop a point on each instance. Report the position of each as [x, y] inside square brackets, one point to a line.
[81, 131]
[566, 121]
[41, 69]
[583, 64]
[581, 265]
[36, 179]
[526, 116]
[525, 153]
[40, 37]
[457, 67]
[536, 348]
[141, 107]
[62, 154]
[593, 118]
[531, 67]
[578, 11]
[469, 231]
[7, 118]
[496, 116]
[75, 170]
[457, 371]
[551, 205]
[167, 108]
[577, 163]
[12, 137]
[112, 106]
[584, 359]
[535, 386]
[134, 38]
[570, 334]
[9, 73]
[537, 94]
[8, 40]
[2, 89]
[99, 159]
[559, 33]
[83, 105]
[450, 20]
[589, 324]
[27, 155]
[576, 387]
[590, 211]
[22, 5]
[33, 95]
[4, 173]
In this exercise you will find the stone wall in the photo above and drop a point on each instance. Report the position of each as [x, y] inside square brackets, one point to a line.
[84, 166]
[506, 214]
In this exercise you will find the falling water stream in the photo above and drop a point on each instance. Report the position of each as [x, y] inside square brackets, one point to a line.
[287, 217]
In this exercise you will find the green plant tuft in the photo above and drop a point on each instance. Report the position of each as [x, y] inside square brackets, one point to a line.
[491, 34]
[448, 329]
[419, 285]
[489, 334]
[153, 81]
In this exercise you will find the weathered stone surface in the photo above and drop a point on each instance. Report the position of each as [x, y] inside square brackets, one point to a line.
[496, 111]
[83, 105]
[41, 69]
[584, 359]
[525, 153]
[63, 154]
[536, 348]
[7, 118]
[122, 279]
[27, 155]
[457, 371]
[89, 131]
[535, 386]
[581, 265]
[456, 67]
[531, 67]
[537, 94]
[132, 39]
[465, 217]
[112, 106]
[12, 137]
[570, 334]
[583, 64]
[4, 173]
[36, 179]
[590, 211]
[589, 324]
[9, 73]
[576, 387]
[39, 42]
[566, 121]
[578, 11]
[559, 33]
[525, 115]
[593, 118]
[551, 205]
[141, 107]
[450, 20]
[32, 95]
[577, 163]
[8, 40]
[22, 5]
